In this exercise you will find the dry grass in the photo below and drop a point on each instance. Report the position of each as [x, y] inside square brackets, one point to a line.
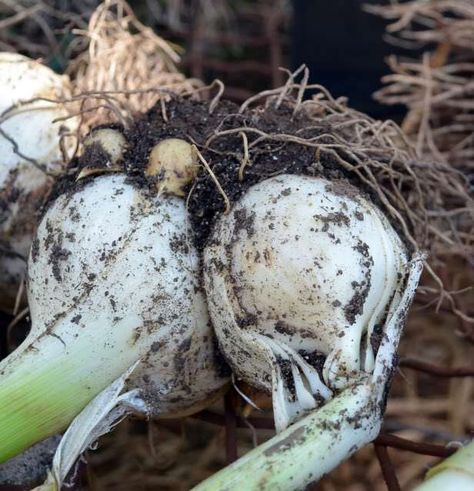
[126, 58]
[437, 89]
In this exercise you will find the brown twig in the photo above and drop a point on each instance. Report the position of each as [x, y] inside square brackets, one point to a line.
[386, 466]
[384, 439]
[435, 370]
[230, 429]
[260, 423]
[388, 440]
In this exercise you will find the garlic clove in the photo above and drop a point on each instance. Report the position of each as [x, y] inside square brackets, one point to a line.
[103, 152]
[110, 140]
[301, 265]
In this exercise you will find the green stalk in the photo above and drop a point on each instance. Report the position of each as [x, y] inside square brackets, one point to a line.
[50, 380]
[455, 472]
[307, 449]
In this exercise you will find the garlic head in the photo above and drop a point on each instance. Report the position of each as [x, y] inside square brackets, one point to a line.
[23, 185]
[301, 267]
[113, 278]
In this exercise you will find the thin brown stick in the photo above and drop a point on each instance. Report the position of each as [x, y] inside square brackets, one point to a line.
[386, 466]
[384, 439]
[16, 320]
[20, 16]
[230, 429]
[16, 149]
[389, 440]
[218, 419]
[435, 370]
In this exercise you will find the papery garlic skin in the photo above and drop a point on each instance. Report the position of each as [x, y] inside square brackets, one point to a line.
[113, 278]
[23, 186]
[301, 265]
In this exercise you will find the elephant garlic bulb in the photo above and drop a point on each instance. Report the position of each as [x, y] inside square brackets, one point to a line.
[302, 267]
[29, 149]
[113, 277]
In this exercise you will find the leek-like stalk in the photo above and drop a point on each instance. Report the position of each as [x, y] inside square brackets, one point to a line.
[307, 449]
[48, 382]
[455, 472]
[98, 417]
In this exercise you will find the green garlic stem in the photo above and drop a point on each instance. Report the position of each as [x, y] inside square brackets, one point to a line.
[46, 384]
[307, 449]
[455, 472]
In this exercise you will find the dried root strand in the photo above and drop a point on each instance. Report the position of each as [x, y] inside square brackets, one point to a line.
[437, 88]
[127, 58]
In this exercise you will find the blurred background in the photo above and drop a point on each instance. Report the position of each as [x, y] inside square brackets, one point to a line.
[243, 43]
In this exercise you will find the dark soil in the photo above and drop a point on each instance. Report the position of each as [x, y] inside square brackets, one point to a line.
[192, 120]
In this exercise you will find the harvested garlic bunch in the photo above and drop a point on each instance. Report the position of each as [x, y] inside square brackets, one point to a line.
[300, 267]
[24, 181]
[113, 278]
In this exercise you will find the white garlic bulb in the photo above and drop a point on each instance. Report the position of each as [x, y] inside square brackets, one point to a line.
[23, 185]
[113, 278]
[112, 251]
[301, 266]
